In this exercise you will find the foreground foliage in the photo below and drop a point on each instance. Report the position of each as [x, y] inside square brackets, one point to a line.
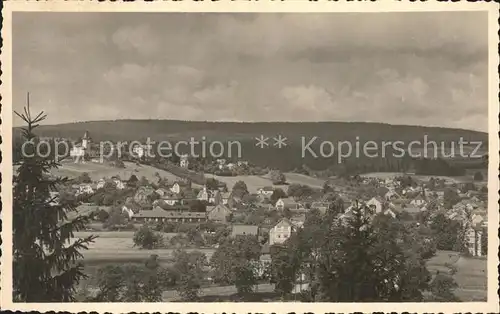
[46, 256]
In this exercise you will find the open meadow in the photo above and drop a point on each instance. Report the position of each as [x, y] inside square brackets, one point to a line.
[98, 171]
[297, 178]
[119, 246]
[255, 182]
[471, 275]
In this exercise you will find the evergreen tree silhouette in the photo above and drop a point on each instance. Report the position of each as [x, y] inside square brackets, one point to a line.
[45, 259]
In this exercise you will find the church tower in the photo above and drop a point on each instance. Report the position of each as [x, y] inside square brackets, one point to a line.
[86, 140]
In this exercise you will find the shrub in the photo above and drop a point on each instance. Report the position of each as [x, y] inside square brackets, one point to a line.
[146, 238]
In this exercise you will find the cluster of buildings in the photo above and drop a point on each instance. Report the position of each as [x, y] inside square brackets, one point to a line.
[91, 188]
[174, 203]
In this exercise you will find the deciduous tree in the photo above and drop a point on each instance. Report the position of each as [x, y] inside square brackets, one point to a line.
[234, 262]
[277, 194]
[277, 177]
[189, 267]
[240, 189]
[146, 238]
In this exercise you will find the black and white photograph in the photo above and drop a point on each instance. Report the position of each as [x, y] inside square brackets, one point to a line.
[265, 157]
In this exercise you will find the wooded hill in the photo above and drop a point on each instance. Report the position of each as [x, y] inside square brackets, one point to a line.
[286, 158]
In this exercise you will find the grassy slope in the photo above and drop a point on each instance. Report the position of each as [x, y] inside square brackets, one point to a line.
[471, 275]
[98, 171]
[255, 182]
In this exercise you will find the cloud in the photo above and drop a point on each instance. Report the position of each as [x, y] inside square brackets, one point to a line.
[141, 39]
[403, 68]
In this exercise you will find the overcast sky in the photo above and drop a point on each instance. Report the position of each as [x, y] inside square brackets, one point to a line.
[399, 68]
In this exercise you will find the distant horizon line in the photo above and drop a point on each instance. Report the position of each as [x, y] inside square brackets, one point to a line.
[260, 122]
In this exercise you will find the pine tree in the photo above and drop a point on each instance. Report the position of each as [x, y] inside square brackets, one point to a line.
[45, 262]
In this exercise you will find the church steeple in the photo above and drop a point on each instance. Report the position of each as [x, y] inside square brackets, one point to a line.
[86, 140]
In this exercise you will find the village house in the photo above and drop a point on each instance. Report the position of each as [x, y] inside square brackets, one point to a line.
[118, 183]
[179, 187]
[172, 199]
[142, 194]
[184, 161]
[440, 194]
[477, 219]
[266, 191]
[158, 214]
[242, 163]
[100, 184]
[84, 188]
[392, 195]
[465, 205]
[244, 230]
[281, 232]
[217, 197]
[212, 197]
[321, 206]
[298, 220]
[224, 197]
[376, 204]
[162, 192]
[412, 209]
[418, 201]
[474, 238]
[390, 212]
[218, 213]
[130, 209]
[204, 194]
[221, 162]
[264, 259]
[286, 203]
[459, 215]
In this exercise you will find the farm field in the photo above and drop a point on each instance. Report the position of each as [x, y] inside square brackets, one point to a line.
[297, 178]
[471, 275]
[255, 182]
[97, 171]
[119, 246]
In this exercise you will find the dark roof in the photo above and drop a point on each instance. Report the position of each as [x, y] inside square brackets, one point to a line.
[411, 209]
[244, 230]
[157, 212]
[268, 188]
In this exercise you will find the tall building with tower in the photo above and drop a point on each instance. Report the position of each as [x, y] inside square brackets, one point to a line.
[86, 140]
[80, 150]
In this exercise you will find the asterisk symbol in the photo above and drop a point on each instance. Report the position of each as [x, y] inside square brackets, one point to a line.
[262, 141]
[279, 141]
